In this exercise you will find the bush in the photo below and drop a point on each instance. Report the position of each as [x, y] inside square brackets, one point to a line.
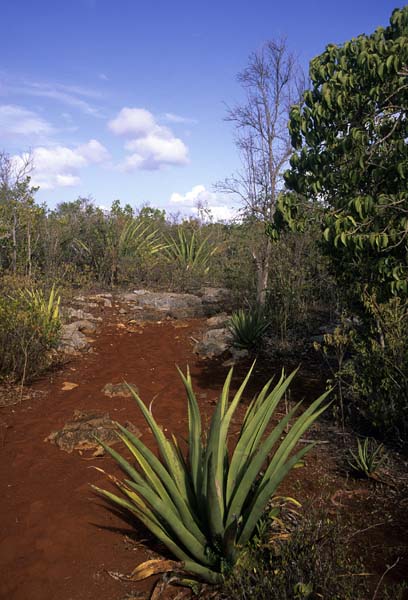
[377, 373]
[309, 562]
[206, 509]
[29, 329]
[301, 292]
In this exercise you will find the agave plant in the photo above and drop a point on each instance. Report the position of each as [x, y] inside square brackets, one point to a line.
[248, 327]
[370, 456]
[205, 508]
[190, 253]
[48, 309]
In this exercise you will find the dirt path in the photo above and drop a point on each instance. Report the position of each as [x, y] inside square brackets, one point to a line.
[58, 540]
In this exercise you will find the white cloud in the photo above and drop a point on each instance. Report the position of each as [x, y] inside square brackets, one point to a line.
[18, 121]
[72, 95]
[152, 146]
[93, 151]
[133, 121]
[197, 194]
[199, 197]
[172, 118]
[58, 166]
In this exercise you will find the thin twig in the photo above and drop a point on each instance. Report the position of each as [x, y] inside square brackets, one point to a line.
[366, 529]
[387, 570]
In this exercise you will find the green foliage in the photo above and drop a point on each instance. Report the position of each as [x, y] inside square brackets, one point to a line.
[301, 291]
[377, 372]
[29, 329]
[206, 508]
[248, 327]
[125, 239]
[368, 458]
[352, 157]
[310, 561]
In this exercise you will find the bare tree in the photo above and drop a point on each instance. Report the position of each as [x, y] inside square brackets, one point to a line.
[272, 82]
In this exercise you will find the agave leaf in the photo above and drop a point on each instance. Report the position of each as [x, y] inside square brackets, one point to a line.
[215, 504]
[242, 488]
[151, 477]
[168, 452]
[165, 512]
[203, 572]
[253, 432]
[304, 421]
[265, 490]
[186, 514]
[122, 462]
[156, 529]
[194, 433]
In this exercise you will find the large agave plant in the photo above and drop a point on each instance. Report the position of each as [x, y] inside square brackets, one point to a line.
[205, 508]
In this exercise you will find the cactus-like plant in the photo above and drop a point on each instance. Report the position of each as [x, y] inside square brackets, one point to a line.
[205, 508]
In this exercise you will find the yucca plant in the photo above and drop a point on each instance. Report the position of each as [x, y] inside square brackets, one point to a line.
[368, 459]
[248, 327]
[47, 308]
[189, 252]
[205, 508]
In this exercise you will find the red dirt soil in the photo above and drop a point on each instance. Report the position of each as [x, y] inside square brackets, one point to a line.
[58, 539]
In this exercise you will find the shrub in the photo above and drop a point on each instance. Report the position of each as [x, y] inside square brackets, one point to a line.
[205, 509]
[377, 373]
[29, 329]
[311, 561]
[248, 327]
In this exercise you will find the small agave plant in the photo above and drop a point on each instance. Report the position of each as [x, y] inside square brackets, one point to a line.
[368, 458]
[206, 507]
[248, 327]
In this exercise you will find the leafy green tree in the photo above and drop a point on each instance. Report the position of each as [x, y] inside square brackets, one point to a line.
[17, 213]
[350, 135]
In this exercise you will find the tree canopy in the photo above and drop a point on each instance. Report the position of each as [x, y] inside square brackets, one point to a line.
[350, 135]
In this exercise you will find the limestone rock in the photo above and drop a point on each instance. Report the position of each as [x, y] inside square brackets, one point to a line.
[119, 389]
[81, 315]
[73, 337]
[214, 343]
[81, 432]
[217, 321]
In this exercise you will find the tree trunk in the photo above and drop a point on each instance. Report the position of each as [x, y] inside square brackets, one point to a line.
[29, 267]
[262, 261]
[14, 240]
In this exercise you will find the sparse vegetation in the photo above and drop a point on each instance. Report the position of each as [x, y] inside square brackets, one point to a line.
[29, 330]
[310, 560]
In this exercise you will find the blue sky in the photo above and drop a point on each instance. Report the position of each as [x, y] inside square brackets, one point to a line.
[126, 99]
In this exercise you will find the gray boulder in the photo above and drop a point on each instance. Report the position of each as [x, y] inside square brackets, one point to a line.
[214, 343]
[159, 305]
[73, 338]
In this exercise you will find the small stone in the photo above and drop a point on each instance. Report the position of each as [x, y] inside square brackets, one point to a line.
[68, 385]
[119, 389]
